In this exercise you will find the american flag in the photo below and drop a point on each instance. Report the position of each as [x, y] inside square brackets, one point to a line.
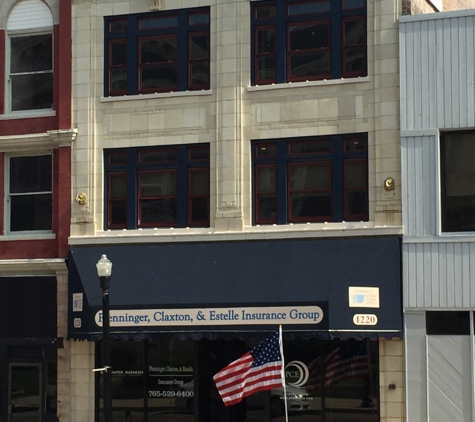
[348, 361]
[259, 369]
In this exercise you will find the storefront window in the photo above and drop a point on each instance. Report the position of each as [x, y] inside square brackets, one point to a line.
[172, 380]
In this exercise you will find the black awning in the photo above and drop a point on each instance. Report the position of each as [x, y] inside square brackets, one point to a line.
[240, 273]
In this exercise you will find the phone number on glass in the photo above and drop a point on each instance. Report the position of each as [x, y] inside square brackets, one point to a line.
[170, 393]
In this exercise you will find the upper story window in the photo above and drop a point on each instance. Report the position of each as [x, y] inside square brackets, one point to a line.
[157, 52]
[30, 64]
[311, 179]
[29, 194]
[457, 150]
[157, 187]
[308, 40]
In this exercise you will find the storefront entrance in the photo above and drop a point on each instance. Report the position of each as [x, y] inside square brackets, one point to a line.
[171, 380]
[24, 392]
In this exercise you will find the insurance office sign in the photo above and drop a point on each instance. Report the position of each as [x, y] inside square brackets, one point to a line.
[213, 316]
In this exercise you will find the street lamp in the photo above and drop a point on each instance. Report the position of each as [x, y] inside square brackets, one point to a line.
[104, 271]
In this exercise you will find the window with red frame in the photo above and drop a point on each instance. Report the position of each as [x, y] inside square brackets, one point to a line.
[158, 187]
[308, 40]
[157, 52]
[314, 179]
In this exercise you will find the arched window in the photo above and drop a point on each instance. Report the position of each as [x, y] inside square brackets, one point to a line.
[30, 64]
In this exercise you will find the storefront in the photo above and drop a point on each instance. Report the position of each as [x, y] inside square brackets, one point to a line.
[28, 349]
[181, 312]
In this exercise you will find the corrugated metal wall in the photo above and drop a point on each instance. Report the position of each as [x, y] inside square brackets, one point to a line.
[437, 93]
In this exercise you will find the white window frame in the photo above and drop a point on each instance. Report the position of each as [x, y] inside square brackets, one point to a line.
[7, 202]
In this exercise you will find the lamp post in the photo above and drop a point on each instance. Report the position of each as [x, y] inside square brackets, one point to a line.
[104, 271]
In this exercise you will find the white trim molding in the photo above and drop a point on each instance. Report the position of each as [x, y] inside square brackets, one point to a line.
[33, 267]
[35, 141]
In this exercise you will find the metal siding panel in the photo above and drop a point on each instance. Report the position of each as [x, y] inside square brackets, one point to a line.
[449, 275]
[416, 367]
[447, 78]
[410, 83]
[434, 276]
[417, 76]
[442, 299]
[465, 274]
[403, 76]
[457, 280]
[431, 77]
[440, 74]
[470, 72]
[419, 255]
[425, 278]
[410, 198]
[462, 70]
[431, 194]
[411, 281]
[404, 183]
[418, 187]
[424, 60]
[449, 378]
[472, 273]
[454, 65]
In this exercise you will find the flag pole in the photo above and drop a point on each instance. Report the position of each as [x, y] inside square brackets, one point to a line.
[283, 372]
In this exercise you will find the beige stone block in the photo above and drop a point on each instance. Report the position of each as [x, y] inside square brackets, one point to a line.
[328, 108]
[346, 107]
[308, 110]
[173, 119]
[139, 121]
[394, 410]
[270, 112]
[393, 364]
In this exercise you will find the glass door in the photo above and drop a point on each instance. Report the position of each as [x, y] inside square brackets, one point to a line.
[24, 395]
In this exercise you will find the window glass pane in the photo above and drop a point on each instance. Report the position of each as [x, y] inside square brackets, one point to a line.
[158, 76]
[310, 205]
[118, 53]
[158, 50]
[354, 31]
[458, 150]
[310, 147]
[310, 177]
[198, 18]
[118, 186]
[118, 79]
[265, 12]
[158, 184]
[158, 155]
[447, 323]
[31, 54]
[128, 364]
[158, 211]
[265, 40]
[355, 174]
[118, 213]
[158, 22]
[266, 150]
[117, 158]
[51, 392]
[199, 209]
[308, 37]
[356, 144]
[266, 179]
[267, 69]
[199, 182]
[118, 26]
[309, 7]
[32, 92]
[267, 206]
[355, 59]
[170, 383]
[353, 4]
[356, 203]
[310, 64]
[31, 174]
[198, 47]
[31, 212]
[199, 73]
[198, 154]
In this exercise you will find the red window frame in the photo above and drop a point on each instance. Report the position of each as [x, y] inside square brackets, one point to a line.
[345, 47]
[110, 200]
[140, 224]
[141, 65]
[290, 53]
[198, 60]
[290, 192]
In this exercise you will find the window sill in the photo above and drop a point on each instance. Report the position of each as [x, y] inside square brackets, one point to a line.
[29, 114]
[156, 95]
[307, 84]
[27, 236]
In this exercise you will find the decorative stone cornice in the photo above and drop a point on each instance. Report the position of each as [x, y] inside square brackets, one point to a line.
[36, 141]
[33, 267]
